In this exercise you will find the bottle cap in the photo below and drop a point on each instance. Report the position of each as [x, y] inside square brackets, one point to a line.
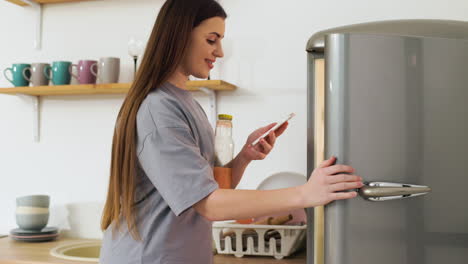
[225, 117]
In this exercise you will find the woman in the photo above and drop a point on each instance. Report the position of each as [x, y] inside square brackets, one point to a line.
[162, 196]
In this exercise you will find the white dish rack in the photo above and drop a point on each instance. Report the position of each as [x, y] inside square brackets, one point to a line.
[265, 240]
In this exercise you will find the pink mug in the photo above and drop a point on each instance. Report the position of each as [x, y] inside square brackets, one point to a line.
[85, 74]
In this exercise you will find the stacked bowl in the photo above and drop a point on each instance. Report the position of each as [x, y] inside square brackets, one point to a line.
[32, 215]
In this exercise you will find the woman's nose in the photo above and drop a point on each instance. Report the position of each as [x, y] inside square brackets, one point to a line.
[219, 52]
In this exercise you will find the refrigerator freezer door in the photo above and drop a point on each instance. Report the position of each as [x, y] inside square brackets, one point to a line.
[396, 110]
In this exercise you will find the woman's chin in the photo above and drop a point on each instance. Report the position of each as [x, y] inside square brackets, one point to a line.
[201, 75]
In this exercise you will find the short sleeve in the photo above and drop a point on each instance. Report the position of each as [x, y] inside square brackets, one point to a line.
[174, 164]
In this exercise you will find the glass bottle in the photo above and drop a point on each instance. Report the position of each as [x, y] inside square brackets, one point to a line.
[224, 145]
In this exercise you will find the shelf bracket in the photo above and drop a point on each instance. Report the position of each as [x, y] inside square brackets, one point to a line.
[38, 10]
[36, 119]
[213, 105]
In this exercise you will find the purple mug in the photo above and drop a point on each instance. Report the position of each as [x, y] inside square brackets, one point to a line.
[85, 75]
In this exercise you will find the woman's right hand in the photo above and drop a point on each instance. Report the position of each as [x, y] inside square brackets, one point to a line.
[327, 183]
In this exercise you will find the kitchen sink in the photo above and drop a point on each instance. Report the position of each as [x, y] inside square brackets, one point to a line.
[78, 251]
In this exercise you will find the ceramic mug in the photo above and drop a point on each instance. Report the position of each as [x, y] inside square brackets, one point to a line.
[59, 73]
[108, 70]
[38, 77]
[32, 212]
[85, 75]
[18, 74]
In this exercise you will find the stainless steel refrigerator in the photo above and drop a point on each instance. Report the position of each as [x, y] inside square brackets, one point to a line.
[391, 100]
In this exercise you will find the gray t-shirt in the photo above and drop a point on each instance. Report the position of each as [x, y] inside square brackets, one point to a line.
[175, 147]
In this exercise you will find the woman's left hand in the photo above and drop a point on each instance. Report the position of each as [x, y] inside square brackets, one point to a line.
[263, 148]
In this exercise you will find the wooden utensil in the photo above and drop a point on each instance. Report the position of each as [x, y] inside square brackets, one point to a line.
[279, 220]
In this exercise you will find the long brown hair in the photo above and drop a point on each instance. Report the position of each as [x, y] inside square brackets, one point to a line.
[165, 50]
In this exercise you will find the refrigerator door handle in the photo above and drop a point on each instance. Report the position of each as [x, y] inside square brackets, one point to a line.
[384, 191]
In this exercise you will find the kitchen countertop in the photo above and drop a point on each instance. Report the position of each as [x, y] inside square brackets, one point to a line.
[13, 252]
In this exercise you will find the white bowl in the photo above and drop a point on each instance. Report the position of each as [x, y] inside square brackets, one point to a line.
[282, 180]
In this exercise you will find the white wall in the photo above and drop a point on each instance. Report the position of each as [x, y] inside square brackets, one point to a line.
[265, 57]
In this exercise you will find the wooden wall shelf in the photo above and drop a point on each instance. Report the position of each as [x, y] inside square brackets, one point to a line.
[110, 88]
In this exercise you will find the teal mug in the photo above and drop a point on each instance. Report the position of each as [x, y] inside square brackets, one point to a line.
[20, 74]
[59, 72]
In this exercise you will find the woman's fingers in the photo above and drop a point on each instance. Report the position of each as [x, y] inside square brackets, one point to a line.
[257, 155]
[339, 168]
[343, 186]
[331, 182]
[281, 129]
[335, 169]
[266, 128]
[266, 147]
[327, 162]
[342, 178]
[343, 195]
[271, 138]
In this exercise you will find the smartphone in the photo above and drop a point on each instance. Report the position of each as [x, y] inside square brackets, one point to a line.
[278, 124]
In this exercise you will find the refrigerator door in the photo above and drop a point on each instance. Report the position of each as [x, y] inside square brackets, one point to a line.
[396, 109]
